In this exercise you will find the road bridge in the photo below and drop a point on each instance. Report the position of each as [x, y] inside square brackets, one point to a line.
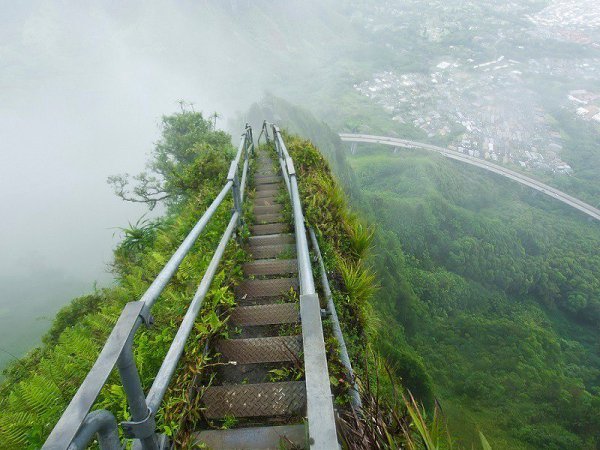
[482, 163]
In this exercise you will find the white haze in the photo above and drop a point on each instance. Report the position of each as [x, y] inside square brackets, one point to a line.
[82, 89]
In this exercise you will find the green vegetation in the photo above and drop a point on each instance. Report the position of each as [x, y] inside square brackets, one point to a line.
[489, 293]
[188, 170]
[497, 291]
[391, 419]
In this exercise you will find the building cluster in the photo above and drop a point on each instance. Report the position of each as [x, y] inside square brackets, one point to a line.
[575, 21]
[587, 104]
[487, 90]
[477, 108]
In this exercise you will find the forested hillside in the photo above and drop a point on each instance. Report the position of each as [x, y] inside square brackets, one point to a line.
[489, 293]
[500, 297]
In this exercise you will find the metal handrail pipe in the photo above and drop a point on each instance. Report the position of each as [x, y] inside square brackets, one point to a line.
[160, 282]
[103, 423]
[74, 415]
[241, 146]
[335, 322]
[167, 369]
[284, 171]
[307, 283]
[319, 401]
[245, 168]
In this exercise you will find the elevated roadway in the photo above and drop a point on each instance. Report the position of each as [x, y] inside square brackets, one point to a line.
[482, 163]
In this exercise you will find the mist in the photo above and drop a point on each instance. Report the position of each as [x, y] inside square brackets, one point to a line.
[82, 91]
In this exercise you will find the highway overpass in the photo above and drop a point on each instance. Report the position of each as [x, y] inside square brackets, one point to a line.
[482, 163]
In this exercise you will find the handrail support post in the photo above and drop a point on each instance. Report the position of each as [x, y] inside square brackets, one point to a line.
[142, 425]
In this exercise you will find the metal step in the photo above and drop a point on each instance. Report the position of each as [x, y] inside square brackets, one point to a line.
[262, 219]
[261, 350]
[274, 314]
[287, 398]
[266, 172]
[272, 209]
[266, 201]
[266, 193]
[268, 186]
[265, 288]
[272, 251]
[271, 267]
[267, 180]
[272, 239]
[270, 228]
[264, 186]
[254, 438]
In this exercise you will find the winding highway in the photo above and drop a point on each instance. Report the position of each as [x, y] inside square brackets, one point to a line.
[519, 178]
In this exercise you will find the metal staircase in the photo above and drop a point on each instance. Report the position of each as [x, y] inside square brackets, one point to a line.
[264, 305]
[275, 324]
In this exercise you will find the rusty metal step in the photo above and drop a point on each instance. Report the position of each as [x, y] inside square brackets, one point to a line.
[274, 314]
[261, 350]
[265, 288]
[287, 398]
[272, 239]
[269, 228]
[271, 267]
[267, 193]
[262, 219]
[272, 209]
[254, 438]
[271, 251]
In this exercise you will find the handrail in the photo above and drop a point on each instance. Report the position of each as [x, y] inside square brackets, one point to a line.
[76, 425]
[319, 401]
[337, 330]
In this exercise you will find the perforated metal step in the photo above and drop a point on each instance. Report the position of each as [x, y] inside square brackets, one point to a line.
[268, 218]
[272, 239]
[286, 398]
[272, 251]
[265, 288]
[271, 267]
[261, 350]
[270, 228]
[254, 438]
[271, 209]
[274, 314]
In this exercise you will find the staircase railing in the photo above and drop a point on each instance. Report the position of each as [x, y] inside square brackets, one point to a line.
[77, 426]
[335, 323]
[319, 400]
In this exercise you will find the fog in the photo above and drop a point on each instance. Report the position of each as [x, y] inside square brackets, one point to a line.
[82, 90]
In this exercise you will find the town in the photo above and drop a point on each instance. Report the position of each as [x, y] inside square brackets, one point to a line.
[484, 103]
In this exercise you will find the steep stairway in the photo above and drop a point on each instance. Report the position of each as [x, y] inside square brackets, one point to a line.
[260, 396]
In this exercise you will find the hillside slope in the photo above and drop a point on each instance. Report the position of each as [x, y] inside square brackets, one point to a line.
[489, 292]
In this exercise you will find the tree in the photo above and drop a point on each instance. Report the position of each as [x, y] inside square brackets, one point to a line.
[174, 169]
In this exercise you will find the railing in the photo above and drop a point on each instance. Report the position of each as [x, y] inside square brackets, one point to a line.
[337, 330]
[77, 426]
[319, 401]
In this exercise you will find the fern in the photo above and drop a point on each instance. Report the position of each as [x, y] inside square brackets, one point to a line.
[15, 429]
